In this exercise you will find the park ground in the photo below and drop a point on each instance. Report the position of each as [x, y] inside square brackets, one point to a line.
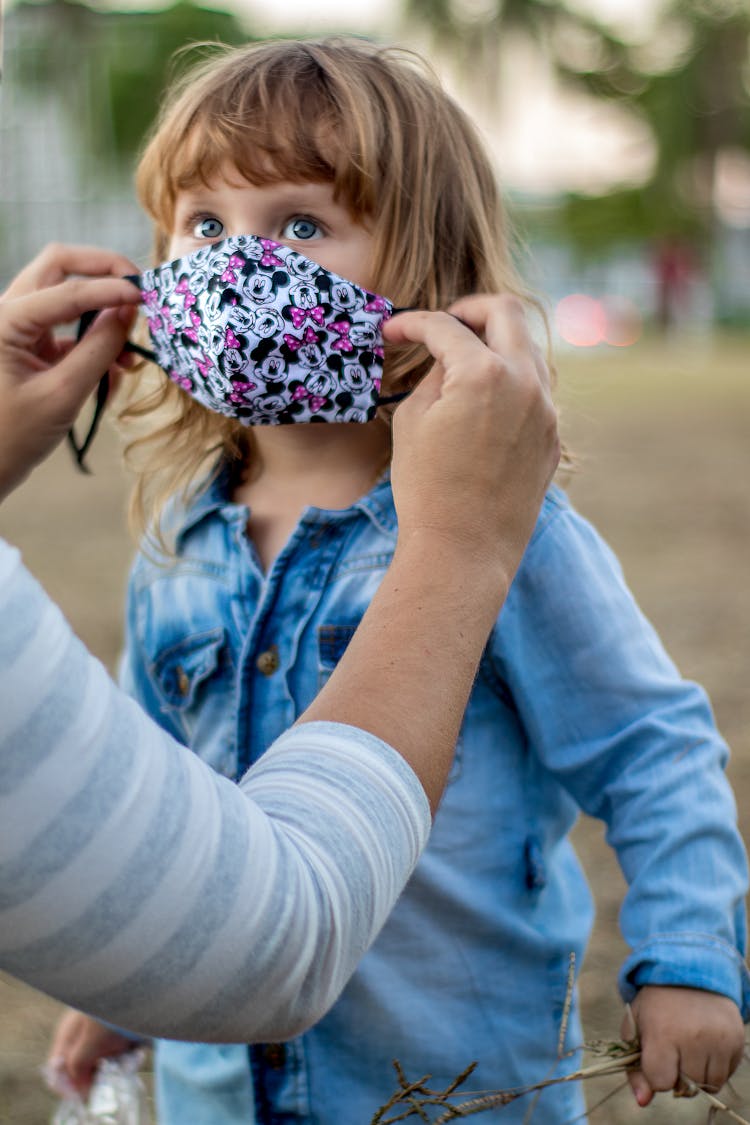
[660, 431]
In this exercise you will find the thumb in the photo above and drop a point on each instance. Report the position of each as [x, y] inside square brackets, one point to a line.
[642, 1091]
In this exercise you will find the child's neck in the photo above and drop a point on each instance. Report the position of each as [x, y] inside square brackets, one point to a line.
[293, 467]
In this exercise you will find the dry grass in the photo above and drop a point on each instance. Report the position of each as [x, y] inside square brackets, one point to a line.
[662, 430]
[614, 1058]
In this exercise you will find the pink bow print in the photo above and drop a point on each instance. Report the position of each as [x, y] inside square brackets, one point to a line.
[315, 402]
[299, 316]
[343, 344]
[239, 389]
[167, 319]
[204, 366]
[181, 380]
[377, 304]
[269, 258]
[188, 298]
[234, 263]
[191, 333]
[294, 343]
[231, 340]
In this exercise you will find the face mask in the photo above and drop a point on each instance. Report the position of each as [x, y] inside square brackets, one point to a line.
[256, 331]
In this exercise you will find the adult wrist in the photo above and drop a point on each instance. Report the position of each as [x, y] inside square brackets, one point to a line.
[452, 556]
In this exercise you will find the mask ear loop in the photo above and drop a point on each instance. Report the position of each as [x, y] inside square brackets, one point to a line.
[102, 391]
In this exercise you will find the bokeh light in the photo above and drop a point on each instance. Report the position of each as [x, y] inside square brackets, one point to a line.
[581, 320]
[585, 322]
[624, 322]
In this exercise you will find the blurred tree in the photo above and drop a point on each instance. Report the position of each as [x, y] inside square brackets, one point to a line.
[689, 82]
[697, 105]
[109, 68]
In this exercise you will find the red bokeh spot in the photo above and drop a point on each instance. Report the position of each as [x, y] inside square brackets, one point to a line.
[581, 320]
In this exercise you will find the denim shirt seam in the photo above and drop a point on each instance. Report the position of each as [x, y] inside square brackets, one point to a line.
[687, 938]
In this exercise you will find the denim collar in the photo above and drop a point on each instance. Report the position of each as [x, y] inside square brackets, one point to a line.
[212, 499]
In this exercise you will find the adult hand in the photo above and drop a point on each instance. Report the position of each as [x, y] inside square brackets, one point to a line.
[684, 1033]
[476, 444]
[45, 380]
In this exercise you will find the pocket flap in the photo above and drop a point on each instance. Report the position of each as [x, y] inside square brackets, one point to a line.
[179, 670]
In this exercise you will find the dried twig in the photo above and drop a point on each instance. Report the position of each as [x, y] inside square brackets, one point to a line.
[611, 1057]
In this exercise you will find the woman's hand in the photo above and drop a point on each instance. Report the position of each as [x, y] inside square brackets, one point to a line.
[476, 444]
[44, 380]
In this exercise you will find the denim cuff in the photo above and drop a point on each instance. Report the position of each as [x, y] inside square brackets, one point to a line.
[688, 960]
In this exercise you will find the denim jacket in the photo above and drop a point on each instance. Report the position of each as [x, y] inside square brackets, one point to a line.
[575, 707]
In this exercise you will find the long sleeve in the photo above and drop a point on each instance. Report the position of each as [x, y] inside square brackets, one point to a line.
[139, 886]
[607, 713]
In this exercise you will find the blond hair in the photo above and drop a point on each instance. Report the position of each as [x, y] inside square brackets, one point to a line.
[401, 155]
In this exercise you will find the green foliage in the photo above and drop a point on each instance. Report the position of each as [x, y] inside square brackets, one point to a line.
[113, 66]
[690, 84]
[596, 224]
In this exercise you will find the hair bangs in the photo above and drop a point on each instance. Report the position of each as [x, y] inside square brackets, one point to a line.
[270, 116]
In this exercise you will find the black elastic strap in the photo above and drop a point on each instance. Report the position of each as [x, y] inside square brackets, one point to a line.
[102, 393]
[384, 400]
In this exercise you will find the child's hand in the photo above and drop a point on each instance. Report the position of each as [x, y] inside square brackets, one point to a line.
[78, 1045]
[683, 1031]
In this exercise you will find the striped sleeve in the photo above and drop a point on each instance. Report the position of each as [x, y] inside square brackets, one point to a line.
[139, 886]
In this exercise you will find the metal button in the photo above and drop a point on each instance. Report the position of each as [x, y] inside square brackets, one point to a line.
[268, 661]
[275, 1055]
[183, 681]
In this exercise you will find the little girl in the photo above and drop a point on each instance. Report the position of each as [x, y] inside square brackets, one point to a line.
[337, 181]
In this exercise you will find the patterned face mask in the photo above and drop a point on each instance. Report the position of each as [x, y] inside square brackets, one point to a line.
[256, 331]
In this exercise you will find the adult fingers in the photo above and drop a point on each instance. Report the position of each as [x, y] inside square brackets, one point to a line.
[445, 338]
[76, 375]
[500, 318]
[58, 261]
[24, 319]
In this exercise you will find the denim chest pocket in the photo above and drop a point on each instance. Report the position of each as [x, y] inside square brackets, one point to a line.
[181, 669]
[332, 642]
[194, 681]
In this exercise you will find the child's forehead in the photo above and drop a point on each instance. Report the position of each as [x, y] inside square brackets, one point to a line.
[228, 187]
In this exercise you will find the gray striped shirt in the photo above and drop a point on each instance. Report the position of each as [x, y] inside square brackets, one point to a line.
[139, 886]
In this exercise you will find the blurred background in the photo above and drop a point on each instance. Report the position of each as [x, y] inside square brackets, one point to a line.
[621, 131]
[621, 135]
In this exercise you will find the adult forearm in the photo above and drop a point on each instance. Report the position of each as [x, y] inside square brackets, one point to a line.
[140, 886]
[408, 671]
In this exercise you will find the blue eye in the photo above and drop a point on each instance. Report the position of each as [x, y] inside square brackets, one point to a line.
[301, 229]
[208, 227]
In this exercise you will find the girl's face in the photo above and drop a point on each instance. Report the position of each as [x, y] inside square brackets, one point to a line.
[302, 216]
